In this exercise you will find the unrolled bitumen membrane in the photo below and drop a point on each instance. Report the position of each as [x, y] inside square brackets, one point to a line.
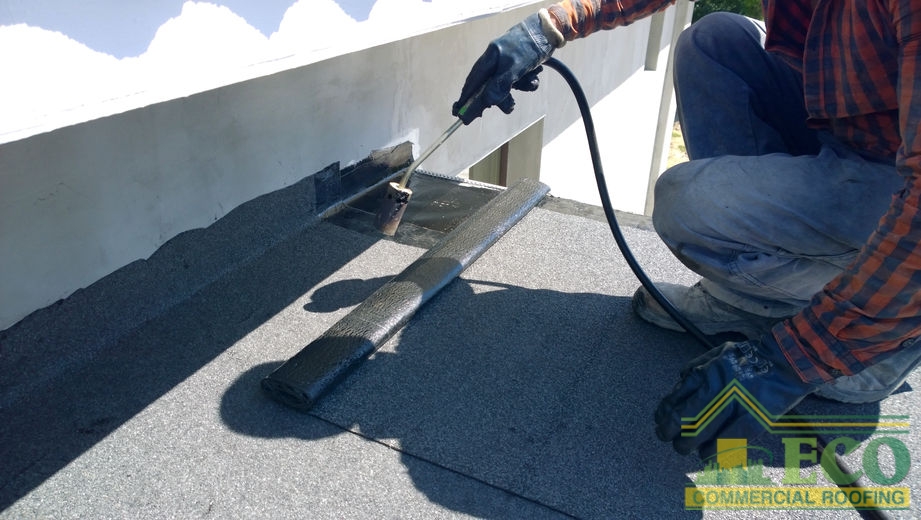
[304, 378]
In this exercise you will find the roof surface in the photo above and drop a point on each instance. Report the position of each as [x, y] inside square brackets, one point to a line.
[525, 388]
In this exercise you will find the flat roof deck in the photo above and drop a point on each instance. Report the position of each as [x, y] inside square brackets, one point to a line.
[525, 388]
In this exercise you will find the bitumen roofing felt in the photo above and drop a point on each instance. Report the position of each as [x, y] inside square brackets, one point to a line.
[524, 389]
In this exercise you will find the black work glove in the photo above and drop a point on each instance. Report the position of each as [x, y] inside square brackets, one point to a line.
[511, 61]
[758, 365]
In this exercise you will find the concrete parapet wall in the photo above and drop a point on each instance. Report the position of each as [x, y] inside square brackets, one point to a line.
[80, 201]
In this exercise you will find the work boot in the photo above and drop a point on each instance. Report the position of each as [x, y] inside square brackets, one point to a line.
[713, 317]
[708, 314]
[876, 382]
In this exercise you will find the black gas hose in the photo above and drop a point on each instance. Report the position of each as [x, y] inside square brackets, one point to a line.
[586, 112]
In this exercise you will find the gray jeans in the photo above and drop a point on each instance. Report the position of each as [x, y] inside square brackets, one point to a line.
[768, 210]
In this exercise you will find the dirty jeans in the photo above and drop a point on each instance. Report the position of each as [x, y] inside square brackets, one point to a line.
[768, 210]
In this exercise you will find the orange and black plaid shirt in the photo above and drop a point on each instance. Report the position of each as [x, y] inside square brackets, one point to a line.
[861, 65]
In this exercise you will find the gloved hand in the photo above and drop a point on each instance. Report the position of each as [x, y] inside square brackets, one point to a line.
[758, 365]
[511, 61]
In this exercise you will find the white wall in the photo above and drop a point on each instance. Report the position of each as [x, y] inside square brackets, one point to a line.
[66, 62]
[110, 153]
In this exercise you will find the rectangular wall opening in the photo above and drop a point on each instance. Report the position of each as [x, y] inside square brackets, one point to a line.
[514, 160]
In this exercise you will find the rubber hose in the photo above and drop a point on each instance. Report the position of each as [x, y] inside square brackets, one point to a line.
[586, 112]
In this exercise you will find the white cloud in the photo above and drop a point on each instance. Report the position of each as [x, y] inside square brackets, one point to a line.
[50, 76]
[205, 35]
[313, 24]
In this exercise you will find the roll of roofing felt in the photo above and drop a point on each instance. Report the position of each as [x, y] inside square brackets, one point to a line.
[303, 379]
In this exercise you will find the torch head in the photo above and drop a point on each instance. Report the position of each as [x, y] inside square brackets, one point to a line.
[393, 205]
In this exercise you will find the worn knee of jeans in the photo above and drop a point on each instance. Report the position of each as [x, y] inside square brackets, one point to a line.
[715, 59]
[681, 220]
[673, 216]
[707, 38]
[711, 35]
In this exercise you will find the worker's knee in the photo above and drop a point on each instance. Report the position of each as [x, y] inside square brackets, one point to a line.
[715, 31]
[676, 209]
[713, 36]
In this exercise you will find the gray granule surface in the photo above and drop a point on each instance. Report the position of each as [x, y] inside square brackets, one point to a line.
[524, 389]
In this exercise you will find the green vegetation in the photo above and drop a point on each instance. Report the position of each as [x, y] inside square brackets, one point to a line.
[750, 8]
[677, 152]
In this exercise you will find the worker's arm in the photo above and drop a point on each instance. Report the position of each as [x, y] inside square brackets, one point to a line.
[875, 305]
[514, 59]
[579, 18]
